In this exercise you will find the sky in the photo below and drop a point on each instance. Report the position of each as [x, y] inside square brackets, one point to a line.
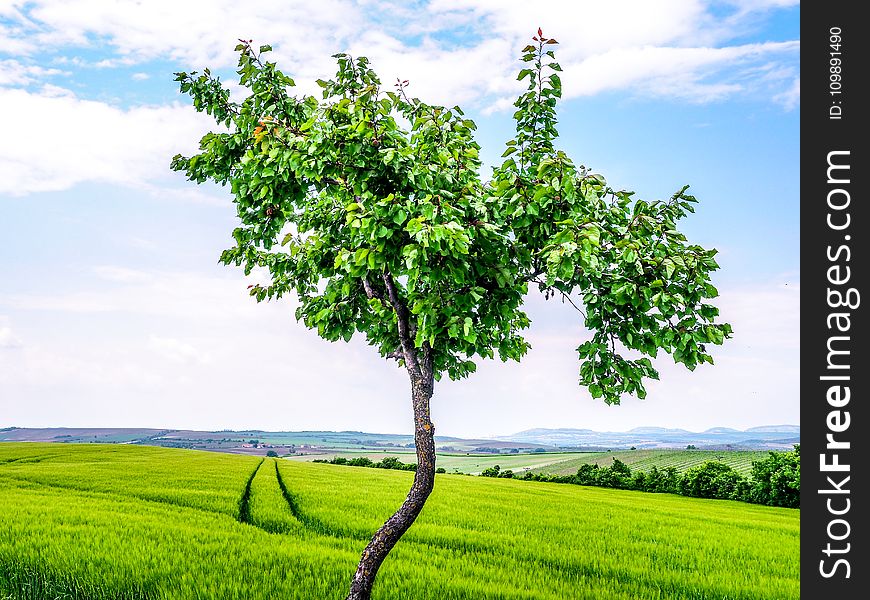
[114, 311]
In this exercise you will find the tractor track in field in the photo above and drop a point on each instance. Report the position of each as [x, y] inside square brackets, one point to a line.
[309, 522]
[245, 500]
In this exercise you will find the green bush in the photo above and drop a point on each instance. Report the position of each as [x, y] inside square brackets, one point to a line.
[714, 479]
[491, 471]
[776, 480]
[587, 475]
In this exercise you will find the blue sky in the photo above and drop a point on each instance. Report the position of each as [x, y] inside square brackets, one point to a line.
[114, 312]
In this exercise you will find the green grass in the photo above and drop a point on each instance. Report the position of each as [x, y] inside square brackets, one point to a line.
[102, 522]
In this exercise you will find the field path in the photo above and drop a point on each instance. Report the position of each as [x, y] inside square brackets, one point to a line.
[245, 500]
[309, 522]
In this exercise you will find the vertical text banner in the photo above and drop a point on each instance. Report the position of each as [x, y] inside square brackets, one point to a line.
[835, 344]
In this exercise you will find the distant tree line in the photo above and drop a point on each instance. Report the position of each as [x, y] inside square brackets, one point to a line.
[774, 481]
[390, 462]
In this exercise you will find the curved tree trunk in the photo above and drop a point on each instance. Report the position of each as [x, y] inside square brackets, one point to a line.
[422, 386]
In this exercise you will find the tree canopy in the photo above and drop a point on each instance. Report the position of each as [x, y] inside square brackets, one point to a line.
[367, 199]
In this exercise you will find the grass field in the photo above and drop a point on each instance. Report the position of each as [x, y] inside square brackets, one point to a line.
[567, 463]
[125, 522]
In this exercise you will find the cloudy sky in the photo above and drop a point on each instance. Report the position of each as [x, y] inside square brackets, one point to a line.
[114, 311]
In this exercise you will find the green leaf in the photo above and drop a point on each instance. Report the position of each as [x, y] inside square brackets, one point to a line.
[669, 266]
[365, 197]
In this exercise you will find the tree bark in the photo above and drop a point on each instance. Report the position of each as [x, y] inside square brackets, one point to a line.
[418, 362]
[424, 480]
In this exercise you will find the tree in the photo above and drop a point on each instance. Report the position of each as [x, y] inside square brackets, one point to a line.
[617, 475]
[587, 474]
[713, 479]
[776, 480]
[369, 205]
[491, 471]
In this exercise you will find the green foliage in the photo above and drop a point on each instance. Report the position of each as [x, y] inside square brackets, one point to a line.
[389, 462]
[666, 480]
[776, 481]
[661, 458]
[95, 522]
[493, 471]
[617, 475]
[340, 202]
[713, 479]
[586, 475]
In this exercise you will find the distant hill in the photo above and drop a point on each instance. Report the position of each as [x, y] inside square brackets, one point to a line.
[259, 442]
[771, 437]
[776, 429]
[656, 430]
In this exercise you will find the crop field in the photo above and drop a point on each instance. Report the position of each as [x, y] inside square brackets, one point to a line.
[567, 463]
[128, 522]
[472, 464]
[644, 460]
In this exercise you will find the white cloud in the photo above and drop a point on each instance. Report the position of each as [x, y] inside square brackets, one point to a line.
[584, 27]
[754, 381]
[791, 98]
[676, 72]
[221, 346]
[8, 339]
[747, 6]
[15, 73]
[176, 350]
[636, 40]
[219, 359]
[466, 55]
[156, 293]
[61, 140]
[140, 76]
[122, 274]
[63, 370]
[439, 75]
[197, 32]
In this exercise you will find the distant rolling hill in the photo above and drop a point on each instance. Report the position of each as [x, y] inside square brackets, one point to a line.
[770, 437]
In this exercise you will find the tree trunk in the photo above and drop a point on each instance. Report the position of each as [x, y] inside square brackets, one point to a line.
[422, 386]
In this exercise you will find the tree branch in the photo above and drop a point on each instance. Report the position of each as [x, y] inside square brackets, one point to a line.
[371, 292]
[403, 321]
[564, 296]
[531, 276]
